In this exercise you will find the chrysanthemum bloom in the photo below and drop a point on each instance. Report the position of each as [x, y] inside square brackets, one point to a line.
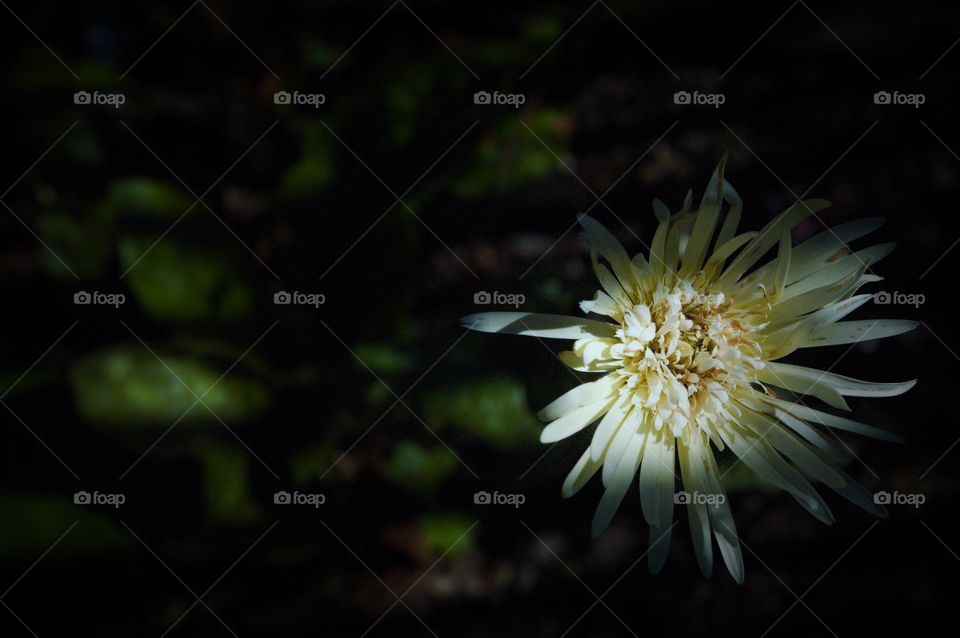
[689, 349]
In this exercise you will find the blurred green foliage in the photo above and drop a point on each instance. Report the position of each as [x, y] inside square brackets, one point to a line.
[127, 386]
[226, 482]
[452, 532]
[510, 157]
[183, 283]
[494, 410]
[418, 467]
[32, 521]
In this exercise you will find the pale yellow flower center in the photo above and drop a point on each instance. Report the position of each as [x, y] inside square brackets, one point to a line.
[681, 354]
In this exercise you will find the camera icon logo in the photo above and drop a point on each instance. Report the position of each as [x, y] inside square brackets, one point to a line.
[81, 97]
[681, 97]
[281, 97]
[882, 498]
[682, 498]
[81, 498]
[281, 498]
[482, 97]
[82, 298]
[482, 498]
[482, 298]
[282, 298]
[882, 298]
[881, 97]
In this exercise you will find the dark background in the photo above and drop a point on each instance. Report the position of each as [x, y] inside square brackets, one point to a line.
[377, 399]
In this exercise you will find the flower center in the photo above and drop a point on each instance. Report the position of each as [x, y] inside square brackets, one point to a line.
[682, 352]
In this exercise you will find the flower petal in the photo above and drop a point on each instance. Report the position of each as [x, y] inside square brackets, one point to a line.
[721, 518]
[696, 511]
[609, 425]
[857, 331]
[538, 325]
[581, 473]
[611, 250]
[578, 397]
[658, 479]
[760, 457]
[574, 421]
[619, 484]
[770, 234]
[833, 421]
[847, 386]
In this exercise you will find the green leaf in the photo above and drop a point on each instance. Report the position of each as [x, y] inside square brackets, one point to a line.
[307, 179]
[226, 483]
[511, 157]
[494, 410]
[142, 196]
[31, 522]
[84, 244]
[384, 359]
[449, 532]
[127, 385]
[418, 467]
[308, 465]
[179, 283]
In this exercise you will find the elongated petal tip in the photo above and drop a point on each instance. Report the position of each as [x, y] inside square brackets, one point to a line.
[903, 387]
[598, 528]
[549, 436]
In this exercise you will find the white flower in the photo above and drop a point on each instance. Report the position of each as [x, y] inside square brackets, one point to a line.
[688, 352]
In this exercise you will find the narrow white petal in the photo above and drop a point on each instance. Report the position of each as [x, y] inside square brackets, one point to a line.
[757, 454]
[770, 235]
[620, 483]
[581, 473]
[618, 446]
[705, 224]
[696, 511]
[578, 397]
[608, 427]
[658, 479]
[835, 272]
[833, 421]
[857, 331]
[721, 518]
[861, 497]
[574, 421]
[813, 254]
[611, 250]
[802, 381]
[794, 449]
[538, 325]
[847, 386]
[659, 548]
